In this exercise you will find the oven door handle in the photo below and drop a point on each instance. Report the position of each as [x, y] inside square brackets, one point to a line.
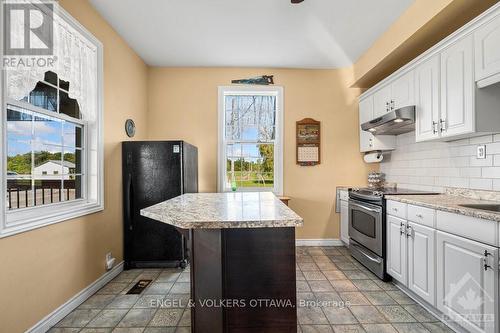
[361, 250]
[375, 210]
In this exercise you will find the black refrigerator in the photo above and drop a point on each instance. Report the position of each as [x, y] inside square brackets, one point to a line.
[155, 171]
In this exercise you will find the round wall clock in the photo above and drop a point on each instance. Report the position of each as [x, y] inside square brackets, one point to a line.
[130, 128]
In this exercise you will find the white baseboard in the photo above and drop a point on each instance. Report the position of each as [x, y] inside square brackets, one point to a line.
[319, 242]
[53, 318]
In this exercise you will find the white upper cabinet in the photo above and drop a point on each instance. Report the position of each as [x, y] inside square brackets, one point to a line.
[402, 91]
[366, 110]
[396, 94]
[487, 52]
[457, 89]
[427, 99]
[467, 282]
[367, 141]
[381, 101]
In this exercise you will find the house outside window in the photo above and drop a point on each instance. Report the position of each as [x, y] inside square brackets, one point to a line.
[52, 125]
[250, 139]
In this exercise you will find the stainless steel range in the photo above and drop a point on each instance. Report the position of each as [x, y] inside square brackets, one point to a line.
[367, 213]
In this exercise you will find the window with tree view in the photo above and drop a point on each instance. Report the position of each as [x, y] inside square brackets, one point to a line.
[44, 146]
[250, 140]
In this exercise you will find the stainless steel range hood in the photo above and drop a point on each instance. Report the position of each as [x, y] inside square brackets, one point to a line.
[395, 122]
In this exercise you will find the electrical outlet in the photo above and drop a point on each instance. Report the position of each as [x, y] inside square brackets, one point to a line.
[481, 152]
[110, 261]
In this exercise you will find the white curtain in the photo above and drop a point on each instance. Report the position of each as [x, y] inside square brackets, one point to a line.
[76, 62]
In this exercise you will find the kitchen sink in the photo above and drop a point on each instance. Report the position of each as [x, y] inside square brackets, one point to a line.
[490, 207]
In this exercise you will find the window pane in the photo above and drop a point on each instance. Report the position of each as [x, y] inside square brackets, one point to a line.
[249, 133]
[19, 125]
[19, 192]
[48, 189]
[68, 106]
[47, 130]
[72, 187]
[72, 135]
[18, 159]
[72, 161]
[51, 78]
[44, 96]
[48, 162]
[250, 117]
[253, 165]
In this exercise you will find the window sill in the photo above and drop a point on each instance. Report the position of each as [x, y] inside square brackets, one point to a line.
[25, 220]
[254, 189]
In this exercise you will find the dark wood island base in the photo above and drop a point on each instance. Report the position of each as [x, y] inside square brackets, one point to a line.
[242, 250]
[243, 280]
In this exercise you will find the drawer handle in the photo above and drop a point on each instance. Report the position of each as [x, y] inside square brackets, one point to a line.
[420, 216]
[395, 209]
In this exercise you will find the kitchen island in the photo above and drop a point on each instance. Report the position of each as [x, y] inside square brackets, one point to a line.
[242, 255]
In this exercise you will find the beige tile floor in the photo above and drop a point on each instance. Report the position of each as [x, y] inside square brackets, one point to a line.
[334, 294]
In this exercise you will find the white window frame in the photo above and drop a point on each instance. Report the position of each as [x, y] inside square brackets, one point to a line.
[278, 145]
[25, 219]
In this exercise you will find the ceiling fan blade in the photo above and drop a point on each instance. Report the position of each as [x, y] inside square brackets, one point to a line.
[297, 1]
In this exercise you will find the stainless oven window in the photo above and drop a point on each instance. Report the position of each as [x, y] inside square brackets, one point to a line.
[364, 223]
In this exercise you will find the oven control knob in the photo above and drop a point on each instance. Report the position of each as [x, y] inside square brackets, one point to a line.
[355, 189]
[378, 193]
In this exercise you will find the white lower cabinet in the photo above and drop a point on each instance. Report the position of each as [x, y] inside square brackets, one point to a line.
[396, 248]
[467, 282]
[454, 274]
[410, 256]
[421, 261]
[344, 221]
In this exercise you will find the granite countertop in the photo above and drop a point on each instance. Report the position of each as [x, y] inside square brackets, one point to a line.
[450, 203]
[224, 210]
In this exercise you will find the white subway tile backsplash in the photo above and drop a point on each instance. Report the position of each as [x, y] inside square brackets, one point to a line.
[496, 160]
[493, 148]
[488, 161]
[481, 184]
[435, 165]
[491, 172]
[470, 172]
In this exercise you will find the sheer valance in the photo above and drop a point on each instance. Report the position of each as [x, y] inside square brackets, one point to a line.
[75, 62]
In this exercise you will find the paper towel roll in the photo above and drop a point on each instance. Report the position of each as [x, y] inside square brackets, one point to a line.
[374, 157]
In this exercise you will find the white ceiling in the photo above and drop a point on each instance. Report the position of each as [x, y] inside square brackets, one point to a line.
[251, 33]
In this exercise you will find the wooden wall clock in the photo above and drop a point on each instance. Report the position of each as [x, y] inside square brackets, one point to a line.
[308, 142]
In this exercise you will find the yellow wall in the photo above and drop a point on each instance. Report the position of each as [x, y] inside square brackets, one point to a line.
[183, 105]
[43, 268]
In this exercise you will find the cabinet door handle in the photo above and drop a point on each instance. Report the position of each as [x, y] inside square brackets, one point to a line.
[486, 266]
[485, 260]
[443, 125]
[409, 231]
[434, 127]
[402, 228]
[392, 104]
[387, 106]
